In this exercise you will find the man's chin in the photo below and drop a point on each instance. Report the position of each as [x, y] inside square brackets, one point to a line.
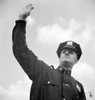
[67, 61]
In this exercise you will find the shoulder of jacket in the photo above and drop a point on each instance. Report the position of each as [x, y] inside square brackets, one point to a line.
[78, 82]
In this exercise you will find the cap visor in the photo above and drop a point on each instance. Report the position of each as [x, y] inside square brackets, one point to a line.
[69, 47]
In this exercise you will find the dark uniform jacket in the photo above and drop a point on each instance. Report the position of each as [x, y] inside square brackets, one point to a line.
[48, 83]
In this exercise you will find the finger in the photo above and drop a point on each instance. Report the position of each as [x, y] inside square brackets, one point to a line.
[29, 6]
[32, 8]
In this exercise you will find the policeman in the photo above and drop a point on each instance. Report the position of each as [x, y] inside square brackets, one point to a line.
[48, 83]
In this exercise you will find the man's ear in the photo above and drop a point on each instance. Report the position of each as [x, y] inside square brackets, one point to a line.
[76, 60]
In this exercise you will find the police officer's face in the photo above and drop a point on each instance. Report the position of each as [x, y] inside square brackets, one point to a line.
[68, 55]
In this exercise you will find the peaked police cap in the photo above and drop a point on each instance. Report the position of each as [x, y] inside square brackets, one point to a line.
[70, 45]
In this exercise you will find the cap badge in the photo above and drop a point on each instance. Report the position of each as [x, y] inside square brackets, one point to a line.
[70, 43]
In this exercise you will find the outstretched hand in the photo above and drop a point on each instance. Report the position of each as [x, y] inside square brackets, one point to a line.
[26, 12]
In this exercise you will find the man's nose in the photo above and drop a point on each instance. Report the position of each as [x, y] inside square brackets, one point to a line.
[66, 53]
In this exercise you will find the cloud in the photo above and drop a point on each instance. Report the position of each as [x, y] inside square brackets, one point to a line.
[77, 31]
[82, 69]
[19, 91]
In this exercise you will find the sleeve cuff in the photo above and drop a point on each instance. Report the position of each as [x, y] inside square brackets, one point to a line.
[21, 23]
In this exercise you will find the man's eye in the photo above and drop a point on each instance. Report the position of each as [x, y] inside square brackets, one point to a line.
[67, 50]
[64, 51]
[70, 52]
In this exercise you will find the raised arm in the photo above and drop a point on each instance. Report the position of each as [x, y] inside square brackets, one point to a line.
[26, 58]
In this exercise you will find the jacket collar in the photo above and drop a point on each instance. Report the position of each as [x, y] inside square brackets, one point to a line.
[64, 71]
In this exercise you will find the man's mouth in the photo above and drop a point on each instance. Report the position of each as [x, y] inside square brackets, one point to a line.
[66, 57]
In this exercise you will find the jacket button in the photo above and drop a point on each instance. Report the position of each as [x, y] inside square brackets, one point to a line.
[60, 69]
[48, 82]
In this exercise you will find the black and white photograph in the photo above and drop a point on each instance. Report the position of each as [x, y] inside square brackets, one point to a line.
[47, 49]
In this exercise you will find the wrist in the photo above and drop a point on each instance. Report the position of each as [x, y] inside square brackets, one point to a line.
[22, 17]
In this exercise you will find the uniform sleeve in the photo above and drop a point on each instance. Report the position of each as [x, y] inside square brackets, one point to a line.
[26, 58]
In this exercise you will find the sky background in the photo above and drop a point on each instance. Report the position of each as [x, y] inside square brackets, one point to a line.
[51, 22]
